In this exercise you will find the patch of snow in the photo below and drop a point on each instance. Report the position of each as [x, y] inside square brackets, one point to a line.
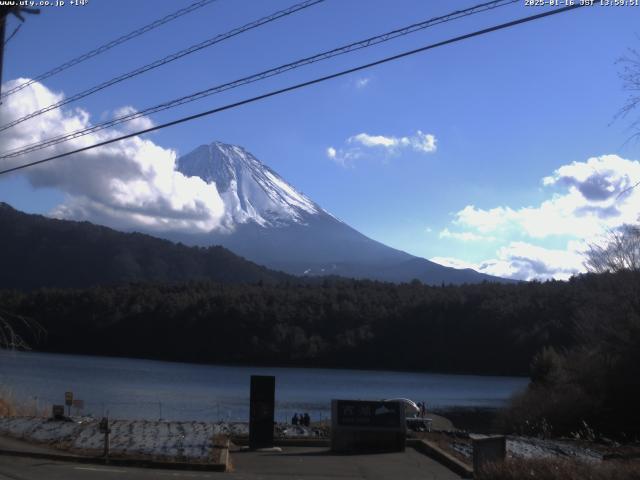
[530, 447]
[463, 448]
[184, 441]
[131, 438]
[250, 190]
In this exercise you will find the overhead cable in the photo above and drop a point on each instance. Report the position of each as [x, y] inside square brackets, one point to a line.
[109, 45]
[301, 85]
[168, 59]
[385, 37]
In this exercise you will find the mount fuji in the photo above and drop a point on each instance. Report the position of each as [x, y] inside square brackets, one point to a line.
[269, 222]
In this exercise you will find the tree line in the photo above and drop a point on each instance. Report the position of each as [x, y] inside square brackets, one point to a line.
[484, 328]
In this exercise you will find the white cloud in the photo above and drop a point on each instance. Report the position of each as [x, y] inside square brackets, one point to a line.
[589, 203]
[454, 262]
[374, 140]
[484, 221]
[131, 184]
[588, 198]
[524, 261]
[464, 236]
[140, 123]
[362, 144]
[420, 142]
[362, 82]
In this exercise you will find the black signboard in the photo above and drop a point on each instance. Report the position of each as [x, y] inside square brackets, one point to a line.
[58, 412]
[261, 411]
[358, 413]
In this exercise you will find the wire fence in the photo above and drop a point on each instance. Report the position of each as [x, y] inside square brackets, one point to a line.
[210, 411]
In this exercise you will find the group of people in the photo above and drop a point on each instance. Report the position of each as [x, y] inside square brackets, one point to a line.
[302, 419]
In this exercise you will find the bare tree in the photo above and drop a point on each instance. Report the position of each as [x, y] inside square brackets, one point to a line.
[11, 331]
[630, 76]
[619, 251]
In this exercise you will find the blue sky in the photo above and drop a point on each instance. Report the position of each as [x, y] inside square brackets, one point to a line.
[505, 110]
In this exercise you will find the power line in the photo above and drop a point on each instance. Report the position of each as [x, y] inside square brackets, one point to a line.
[108, 46]
[304, 84]
[13, 34]
[169, 58]
[259, 76]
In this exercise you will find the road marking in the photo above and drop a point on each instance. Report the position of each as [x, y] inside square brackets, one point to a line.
[112, 470]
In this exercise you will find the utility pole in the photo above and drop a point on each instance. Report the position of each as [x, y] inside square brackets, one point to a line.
[104, 428]
[4, 13]
[3, 22]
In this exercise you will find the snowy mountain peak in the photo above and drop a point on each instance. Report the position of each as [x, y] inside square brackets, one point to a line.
[251, 191]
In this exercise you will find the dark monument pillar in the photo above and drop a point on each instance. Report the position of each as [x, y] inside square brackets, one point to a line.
[263, 390]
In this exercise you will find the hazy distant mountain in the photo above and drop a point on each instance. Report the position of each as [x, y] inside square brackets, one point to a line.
[36, 251]
[273, 224]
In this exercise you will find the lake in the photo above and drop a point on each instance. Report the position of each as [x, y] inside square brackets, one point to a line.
[131, 388]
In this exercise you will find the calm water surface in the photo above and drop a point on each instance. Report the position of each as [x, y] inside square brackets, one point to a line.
[129, 388]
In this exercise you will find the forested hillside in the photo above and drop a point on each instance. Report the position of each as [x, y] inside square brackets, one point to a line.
[485, 328]
[36, 251]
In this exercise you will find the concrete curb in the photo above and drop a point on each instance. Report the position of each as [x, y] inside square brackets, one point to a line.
[127, 462]
[224, 455]
[432, 450]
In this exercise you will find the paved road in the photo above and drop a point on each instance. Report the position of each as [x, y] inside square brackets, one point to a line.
[21, 468]
[292, 463]
[7, 443]
[320, 464]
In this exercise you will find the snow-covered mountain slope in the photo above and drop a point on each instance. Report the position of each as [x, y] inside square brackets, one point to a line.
[271, 223]
[251, 191]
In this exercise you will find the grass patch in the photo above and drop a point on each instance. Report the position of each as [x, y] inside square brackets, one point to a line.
[11, 406]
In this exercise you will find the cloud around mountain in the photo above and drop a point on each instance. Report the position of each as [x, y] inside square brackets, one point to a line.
[131, 184]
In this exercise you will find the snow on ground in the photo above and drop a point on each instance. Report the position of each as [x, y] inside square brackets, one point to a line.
[40, 430]
[531, 447]
[181, 441]
[195, 441]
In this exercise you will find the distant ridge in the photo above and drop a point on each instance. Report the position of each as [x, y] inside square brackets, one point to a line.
[36, 251]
